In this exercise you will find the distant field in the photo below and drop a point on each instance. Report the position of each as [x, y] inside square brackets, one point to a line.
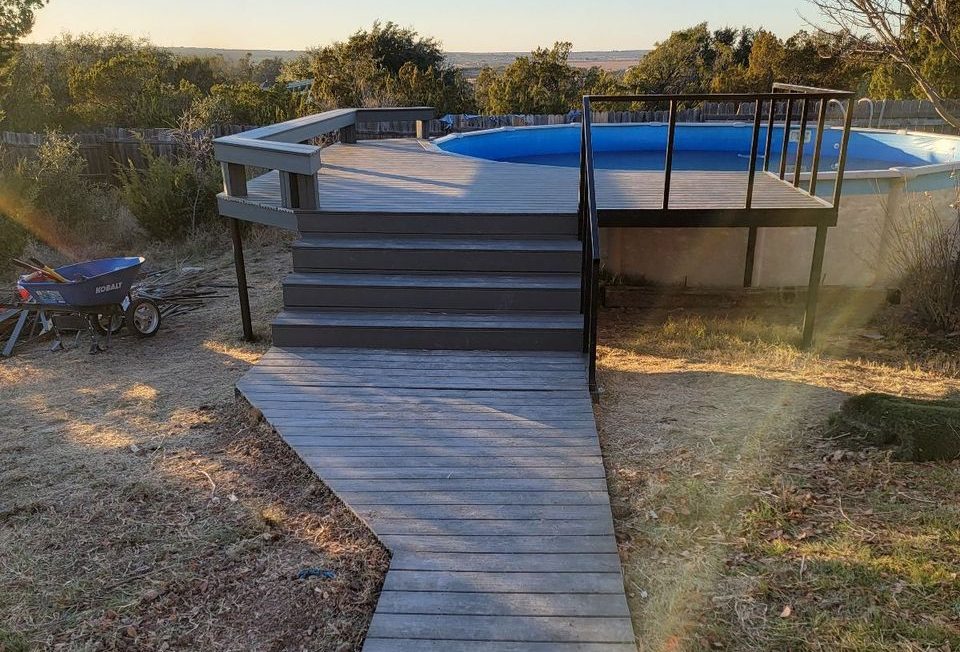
[612, 65]
[608, 60]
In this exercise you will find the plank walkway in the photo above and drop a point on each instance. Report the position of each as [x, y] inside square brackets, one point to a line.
[410, 176]
[481, 472]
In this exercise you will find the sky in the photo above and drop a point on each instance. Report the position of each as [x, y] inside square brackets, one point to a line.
[480, 26]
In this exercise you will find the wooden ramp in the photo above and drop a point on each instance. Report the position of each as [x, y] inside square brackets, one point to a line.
[481, 472]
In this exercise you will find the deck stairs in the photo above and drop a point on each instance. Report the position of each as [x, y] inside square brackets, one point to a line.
[429, 281]
[429, 369]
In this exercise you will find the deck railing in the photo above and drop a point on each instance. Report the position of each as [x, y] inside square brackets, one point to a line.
[785, 99]
[287, 148]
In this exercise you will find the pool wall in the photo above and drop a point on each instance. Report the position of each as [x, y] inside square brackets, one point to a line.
[922, 173]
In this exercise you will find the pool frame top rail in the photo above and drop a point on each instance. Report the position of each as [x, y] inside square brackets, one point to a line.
[819, 213]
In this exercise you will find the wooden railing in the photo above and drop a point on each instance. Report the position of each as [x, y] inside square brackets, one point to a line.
[287, 148]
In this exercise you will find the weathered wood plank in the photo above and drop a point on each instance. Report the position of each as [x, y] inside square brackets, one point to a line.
[448, 460]
[373, 644]
[497, 472]
[573, 544]
[573, 563]
[497, 582]
[457, 484]
[493, 604]
[503, 628]
[484, 512]
[486, 527]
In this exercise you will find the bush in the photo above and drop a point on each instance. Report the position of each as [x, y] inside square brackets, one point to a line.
[925, 254]
[49, 197]
[58, 185]
[917, 430]
[170, 197]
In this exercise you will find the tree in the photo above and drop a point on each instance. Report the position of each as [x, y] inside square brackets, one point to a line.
[16, 21]
[365, 69]
[243, 103]
[543, 82]
[130, 89]
[921, 36]
[681, 64]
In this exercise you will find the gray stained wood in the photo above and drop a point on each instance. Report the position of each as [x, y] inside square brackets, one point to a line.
[481, 472]
[410, 176]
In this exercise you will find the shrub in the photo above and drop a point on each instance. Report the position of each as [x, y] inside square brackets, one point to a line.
[925, 254]
[49, 197]
[169, 197]
[59, 187]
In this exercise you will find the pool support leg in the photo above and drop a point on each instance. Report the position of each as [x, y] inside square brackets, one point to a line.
[813, 288]
[241, 280]
[751, 251]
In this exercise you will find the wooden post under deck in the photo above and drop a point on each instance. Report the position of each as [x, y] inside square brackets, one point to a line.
[751, 254]
[813, 289]
[241, 280]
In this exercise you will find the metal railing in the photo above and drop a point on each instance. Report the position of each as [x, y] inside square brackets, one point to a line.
[786, 100]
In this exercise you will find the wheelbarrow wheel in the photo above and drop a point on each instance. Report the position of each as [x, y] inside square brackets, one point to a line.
[143, 317]
[105, 324]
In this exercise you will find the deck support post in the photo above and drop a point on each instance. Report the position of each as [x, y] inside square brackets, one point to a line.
[423, 129]
[751, 253]
[234, 179]
[813, 288]
[348, 134]
[299, 191]
[241, 280]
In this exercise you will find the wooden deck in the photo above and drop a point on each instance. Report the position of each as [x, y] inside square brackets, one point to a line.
[410, 176]
[481, 472]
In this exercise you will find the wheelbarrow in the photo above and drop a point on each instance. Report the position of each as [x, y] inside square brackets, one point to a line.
[98, 291]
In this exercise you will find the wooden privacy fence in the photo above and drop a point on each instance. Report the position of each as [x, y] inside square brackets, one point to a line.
[103, 149]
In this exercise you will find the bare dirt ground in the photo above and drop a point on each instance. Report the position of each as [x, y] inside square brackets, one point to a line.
[742, 525]
[142, 508]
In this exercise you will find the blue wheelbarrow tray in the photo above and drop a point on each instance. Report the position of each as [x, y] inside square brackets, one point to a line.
[93, 283]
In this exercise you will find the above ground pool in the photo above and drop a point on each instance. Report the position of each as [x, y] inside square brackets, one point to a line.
[892, 179]
[711, 146]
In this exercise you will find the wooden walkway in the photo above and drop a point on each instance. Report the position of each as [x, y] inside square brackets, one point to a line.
[481, 472]
[410, 176]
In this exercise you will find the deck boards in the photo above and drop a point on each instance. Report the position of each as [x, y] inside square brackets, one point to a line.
[407, 176]
[481, 471]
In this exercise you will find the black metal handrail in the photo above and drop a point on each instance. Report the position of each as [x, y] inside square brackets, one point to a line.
[792, 95]
[590, 238]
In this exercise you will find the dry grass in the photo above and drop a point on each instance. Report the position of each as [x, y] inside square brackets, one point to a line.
[740, 526]
[141, 507]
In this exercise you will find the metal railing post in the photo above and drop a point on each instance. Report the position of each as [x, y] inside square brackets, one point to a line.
[842, 160]
[668, 164]
[818, 146]
[768, 146]
[786, 139]
[798, 165]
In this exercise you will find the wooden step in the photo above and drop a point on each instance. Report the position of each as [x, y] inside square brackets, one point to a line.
[415, 253]
[532, 331]
[443, 291]
[482, 224]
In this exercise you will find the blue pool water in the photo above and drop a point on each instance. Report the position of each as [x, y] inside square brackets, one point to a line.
[712, 146]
